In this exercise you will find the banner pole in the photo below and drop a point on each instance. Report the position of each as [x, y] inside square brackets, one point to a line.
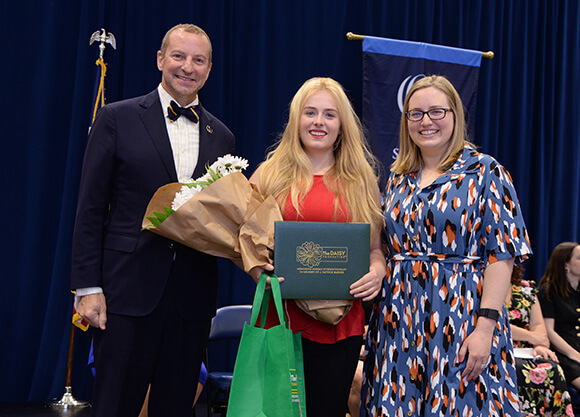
[353, 37]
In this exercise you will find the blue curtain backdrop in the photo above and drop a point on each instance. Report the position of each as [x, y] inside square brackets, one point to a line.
[527, 117]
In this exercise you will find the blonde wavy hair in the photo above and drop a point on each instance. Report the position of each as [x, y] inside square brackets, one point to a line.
[287, 169]
[409, 159]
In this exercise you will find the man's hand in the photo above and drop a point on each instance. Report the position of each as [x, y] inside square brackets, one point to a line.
[93, 308]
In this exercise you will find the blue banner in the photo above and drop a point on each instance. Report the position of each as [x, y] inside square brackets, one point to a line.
[390, 67]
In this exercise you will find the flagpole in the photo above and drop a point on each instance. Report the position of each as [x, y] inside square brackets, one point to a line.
[353, 37]
[67, 400]
[103, 38]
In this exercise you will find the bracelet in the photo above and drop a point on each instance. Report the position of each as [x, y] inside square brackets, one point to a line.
[489, 313]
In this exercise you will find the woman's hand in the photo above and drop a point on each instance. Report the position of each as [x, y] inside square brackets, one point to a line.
[256, 271]
[368, 286]
[545, 353]
[477, 348]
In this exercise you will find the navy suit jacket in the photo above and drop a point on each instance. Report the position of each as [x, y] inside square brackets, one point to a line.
[128, 157]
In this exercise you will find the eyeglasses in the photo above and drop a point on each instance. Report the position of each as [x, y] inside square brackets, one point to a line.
[434, 114]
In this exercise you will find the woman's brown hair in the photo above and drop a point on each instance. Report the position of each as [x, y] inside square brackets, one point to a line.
[555, 276]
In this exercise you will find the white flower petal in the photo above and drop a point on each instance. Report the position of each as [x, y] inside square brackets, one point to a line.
[184, 196]
[223, 166]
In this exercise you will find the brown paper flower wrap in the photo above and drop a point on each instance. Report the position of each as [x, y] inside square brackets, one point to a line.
[328, 311]
[230, 218]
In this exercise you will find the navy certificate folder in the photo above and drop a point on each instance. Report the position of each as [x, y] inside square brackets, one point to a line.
[320, 260]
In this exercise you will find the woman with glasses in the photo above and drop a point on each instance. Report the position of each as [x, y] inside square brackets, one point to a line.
[439, 341]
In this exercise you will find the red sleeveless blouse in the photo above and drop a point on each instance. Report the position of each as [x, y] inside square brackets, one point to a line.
[318, 206]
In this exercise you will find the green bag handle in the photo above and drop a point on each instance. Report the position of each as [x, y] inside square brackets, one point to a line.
[262, 300]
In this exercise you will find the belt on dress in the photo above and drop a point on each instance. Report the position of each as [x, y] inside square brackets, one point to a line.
[445, 258]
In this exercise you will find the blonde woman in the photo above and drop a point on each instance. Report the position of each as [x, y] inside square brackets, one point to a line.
[321, 170]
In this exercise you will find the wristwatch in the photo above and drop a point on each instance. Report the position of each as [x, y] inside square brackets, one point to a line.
[489, 313]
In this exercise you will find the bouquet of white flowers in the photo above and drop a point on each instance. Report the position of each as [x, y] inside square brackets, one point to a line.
[220, 214]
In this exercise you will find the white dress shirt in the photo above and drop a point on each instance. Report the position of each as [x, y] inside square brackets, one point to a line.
[184, 138]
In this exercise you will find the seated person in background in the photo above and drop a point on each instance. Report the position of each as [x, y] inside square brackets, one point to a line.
[541, 382]
[559, 295]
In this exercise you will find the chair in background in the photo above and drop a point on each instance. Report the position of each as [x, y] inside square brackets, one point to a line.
[227, 324]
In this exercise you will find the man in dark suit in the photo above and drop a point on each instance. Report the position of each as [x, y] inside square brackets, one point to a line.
[150, 299]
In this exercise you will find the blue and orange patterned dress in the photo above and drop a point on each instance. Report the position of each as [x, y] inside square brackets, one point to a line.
[439, 240]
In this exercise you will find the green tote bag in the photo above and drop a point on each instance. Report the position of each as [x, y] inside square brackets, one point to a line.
[268, 378]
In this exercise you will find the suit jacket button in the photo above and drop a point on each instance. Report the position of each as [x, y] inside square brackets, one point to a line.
[171, 246]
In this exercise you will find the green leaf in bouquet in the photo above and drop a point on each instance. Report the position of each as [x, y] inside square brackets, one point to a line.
[204, 184]
[213, 174]
[160, 216]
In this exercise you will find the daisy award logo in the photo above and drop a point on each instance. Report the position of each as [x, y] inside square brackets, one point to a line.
[311, 254]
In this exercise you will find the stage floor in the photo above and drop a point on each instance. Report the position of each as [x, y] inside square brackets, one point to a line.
[40, 409]
[44, 410]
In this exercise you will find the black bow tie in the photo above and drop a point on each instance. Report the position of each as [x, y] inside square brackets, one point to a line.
[175, 110]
